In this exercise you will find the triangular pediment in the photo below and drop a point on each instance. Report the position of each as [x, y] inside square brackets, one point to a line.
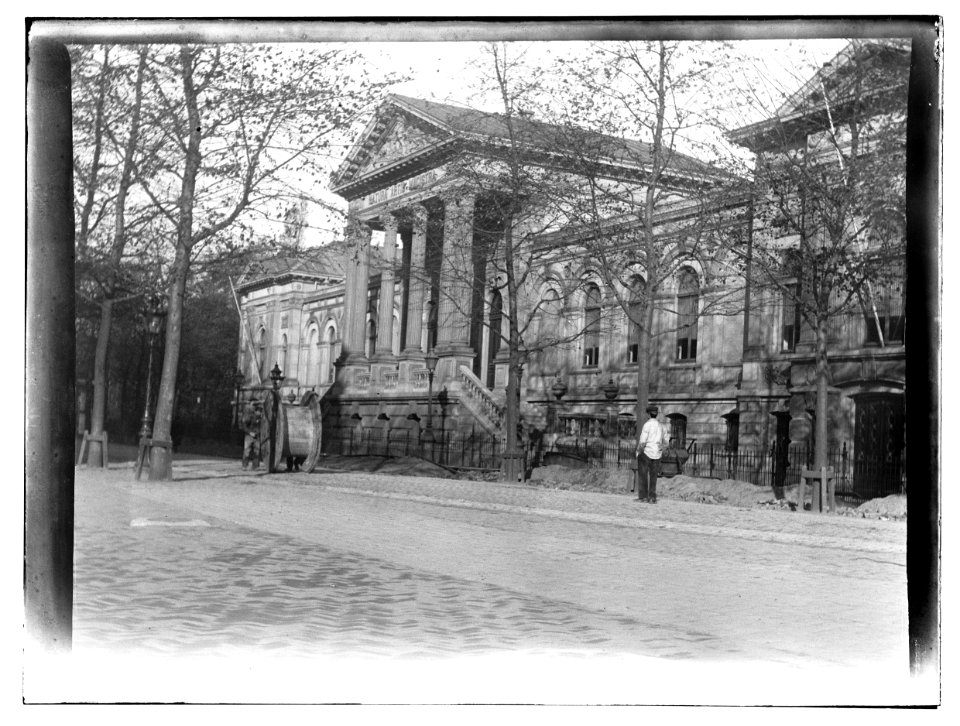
[401, 139]
[394, 134]
[874, 64]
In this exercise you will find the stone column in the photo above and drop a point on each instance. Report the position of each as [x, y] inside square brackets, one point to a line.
[387, 286]
[456, 283]
[357, 282]
[412, 347]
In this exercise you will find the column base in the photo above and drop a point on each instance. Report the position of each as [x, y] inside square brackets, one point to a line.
[452, 356]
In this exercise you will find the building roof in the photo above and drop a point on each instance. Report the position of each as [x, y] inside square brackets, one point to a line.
[315, 263]
[456, 123]
[883, 70]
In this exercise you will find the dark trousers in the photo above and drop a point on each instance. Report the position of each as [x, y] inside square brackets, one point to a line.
[647, 472]
[251, 450]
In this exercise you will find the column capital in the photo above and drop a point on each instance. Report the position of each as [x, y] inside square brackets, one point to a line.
[418, 215]
[389, 222]
[357, 229]
[460, 197]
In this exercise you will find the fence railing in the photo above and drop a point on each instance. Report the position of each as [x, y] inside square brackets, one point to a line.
[773, 467]
[768, 467]
[452, 449]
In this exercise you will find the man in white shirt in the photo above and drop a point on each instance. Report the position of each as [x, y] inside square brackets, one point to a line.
[650, 446]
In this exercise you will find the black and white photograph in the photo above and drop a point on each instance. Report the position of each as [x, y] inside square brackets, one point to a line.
[541, 362]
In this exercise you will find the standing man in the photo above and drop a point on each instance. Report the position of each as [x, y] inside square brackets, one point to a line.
[650, 445]
[251, 433]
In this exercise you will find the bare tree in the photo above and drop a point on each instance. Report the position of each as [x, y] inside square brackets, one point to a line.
[520, 187]
[110, 101]
[244, 128]
[657, 211]
[830, 208]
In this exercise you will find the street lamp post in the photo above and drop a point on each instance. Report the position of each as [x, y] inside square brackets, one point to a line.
[431, 360]
[276, 377]
[610, 391]
[559, 390]
[154, 325]
[238, 379]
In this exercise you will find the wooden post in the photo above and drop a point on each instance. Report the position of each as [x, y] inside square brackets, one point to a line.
[50, 351]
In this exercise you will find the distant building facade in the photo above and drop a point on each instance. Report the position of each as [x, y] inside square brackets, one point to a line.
[355, 321]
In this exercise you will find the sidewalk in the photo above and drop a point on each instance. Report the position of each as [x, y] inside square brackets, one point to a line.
[822, 530]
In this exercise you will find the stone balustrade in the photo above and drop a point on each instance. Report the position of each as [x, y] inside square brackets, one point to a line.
[478, 393]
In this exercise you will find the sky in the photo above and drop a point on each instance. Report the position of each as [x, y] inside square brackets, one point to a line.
[448, 72]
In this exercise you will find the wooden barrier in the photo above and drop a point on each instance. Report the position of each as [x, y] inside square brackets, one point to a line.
[104, 440]
[825, 488]
[143, 452]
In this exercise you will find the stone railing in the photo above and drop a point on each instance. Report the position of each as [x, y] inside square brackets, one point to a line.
[478, 398]
[421, 379]
[390, 380]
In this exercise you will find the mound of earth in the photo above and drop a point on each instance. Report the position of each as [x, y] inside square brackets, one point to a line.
[395, 465]
[889, 507]
[731, 492]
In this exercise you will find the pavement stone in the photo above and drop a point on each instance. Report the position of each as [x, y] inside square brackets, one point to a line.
[353, 563]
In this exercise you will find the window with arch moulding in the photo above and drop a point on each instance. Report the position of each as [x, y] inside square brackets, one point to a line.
[688, 304]
[591, 327]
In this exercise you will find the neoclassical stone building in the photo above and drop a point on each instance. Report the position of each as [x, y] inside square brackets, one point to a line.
[354, 321]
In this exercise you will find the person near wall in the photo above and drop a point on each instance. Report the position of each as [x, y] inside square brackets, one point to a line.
[650, 446]
[251, 434]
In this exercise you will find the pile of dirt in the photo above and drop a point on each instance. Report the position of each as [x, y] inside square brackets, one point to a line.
[394, 465]
[581, 480]
[730, 492]
[686, 488]
[890, 507]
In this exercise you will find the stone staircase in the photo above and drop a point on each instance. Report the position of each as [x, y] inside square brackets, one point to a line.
[478, 399]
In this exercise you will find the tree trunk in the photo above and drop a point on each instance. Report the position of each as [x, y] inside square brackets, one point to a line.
[98, 410]
[822, 403]
[512, 464]
[161, 456]
[98, 413]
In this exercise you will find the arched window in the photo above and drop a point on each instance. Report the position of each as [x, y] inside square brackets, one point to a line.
[262, 354]
[328, 353]
[591, 327]
[688, 305]
[678, 430]
[283, 356]
[884, 308]
[791, 302]
[637, 290]
[310, 374]
[551, 312]
[732, 441]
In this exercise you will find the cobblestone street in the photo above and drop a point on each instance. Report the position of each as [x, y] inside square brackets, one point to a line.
[413, 572]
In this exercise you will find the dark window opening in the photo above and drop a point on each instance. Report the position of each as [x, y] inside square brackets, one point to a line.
[688, 303]
[591, 339]
[791, 320]
[678, 430]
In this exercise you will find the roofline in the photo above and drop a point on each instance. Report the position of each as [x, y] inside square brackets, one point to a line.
[284, 276]
[707, 172]
[755, 131]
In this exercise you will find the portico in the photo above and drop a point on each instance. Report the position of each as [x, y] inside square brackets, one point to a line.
[427, 277]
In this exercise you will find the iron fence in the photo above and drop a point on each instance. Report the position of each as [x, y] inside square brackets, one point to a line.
[774, 467]
[453, 449]
[857, 477]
